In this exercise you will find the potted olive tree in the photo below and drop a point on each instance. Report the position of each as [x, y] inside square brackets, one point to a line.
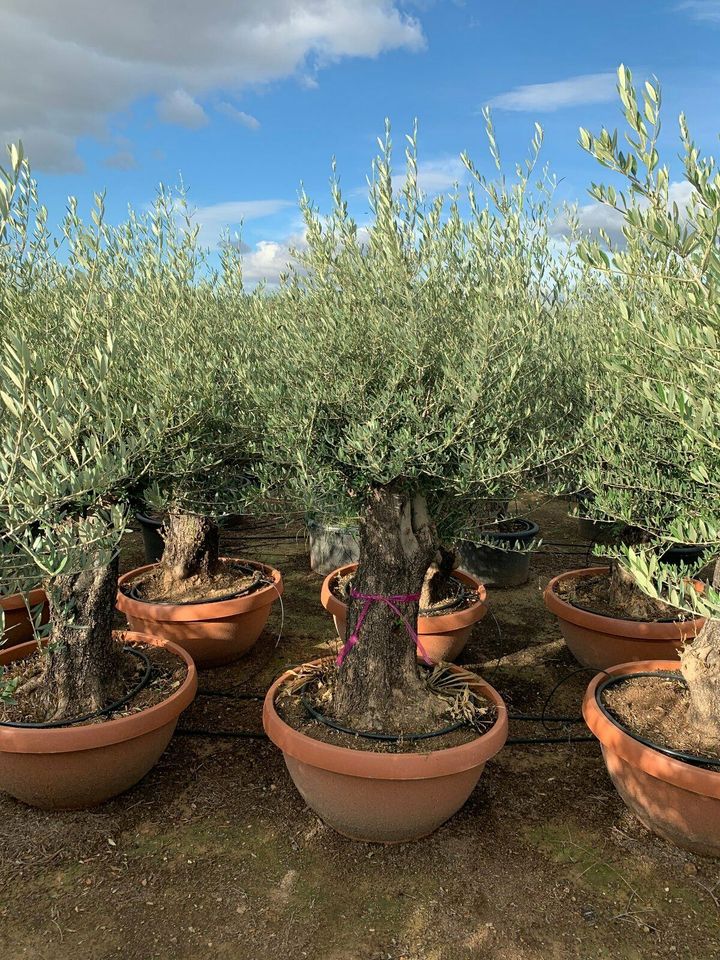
[402, 375]
[197, 339]
[75, 723]
[662, 753]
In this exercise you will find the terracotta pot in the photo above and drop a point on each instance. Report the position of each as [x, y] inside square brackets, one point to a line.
[68, 768]
[599, 642]
[443, 637]
[384, 797]
[18, 624]
[676, 800]
[213, 633]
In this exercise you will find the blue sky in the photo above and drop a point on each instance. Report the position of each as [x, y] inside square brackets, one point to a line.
[247, 98]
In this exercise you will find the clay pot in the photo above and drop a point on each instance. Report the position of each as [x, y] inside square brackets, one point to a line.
[443, 637]
[599, 642]
[18, 624]
[384, 797]
[214, 633]
[676, 800]
[68, 768]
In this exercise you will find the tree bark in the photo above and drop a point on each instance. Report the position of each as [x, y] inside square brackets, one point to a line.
[192, 544]
[83, 662]
[626, 594]
[379, 682]
[700, 666]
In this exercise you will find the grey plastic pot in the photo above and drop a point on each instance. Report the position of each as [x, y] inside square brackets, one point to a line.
[495, 566]
[331, 546]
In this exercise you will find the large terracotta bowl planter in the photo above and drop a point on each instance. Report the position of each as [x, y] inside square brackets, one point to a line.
[18, 624]
[443, 637]
[69, 768]
[599, 642]
[674, 799]
[213, 633]
[384, 797]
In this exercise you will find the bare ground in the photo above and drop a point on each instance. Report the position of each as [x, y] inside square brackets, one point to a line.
[214, 854]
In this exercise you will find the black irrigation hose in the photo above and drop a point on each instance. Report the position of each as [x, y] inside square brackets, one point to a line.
[231, 694]
[384, 737]
[610, 681]
[97, 713]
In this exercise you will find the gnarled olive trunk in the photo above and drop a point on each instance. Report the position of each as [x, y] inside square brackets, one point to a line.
[83, 663]
[379, 680]
[700, 666]
[626, 594]
[192, 543]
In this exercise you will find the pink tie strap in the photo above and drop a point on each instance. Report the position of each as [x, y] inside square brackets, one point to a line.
[390, 602]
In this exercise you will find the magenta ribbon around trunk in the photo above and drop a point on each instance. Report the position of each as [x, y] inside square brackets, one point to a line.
[389, 602]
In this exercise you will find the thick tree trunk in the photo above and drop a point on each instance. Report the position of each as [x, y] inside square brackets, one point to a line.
[700, 666]
[378, 682]
[83, 662]
[192, 543]
[435, 584]
[626, 594]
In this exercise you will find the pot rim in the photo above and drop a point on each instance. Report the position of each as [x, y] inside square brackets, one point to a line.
[688, 776]
[629, 629]
[443, 623]
[194, 612]
[386, 766]
[94, 735]
[16, 601]
[531, 530]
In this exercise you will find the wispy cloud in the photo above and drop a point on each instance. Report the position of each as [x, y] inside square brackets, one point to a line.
[217, 218]
[583, 89]
[239, 116]
[706, 10]
[180, 108]
[121, 160]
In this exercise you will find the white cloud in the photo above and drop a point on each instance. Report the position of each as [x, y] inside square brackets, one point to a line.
[217, 218]
[588, 88]
[66, 67]
[179, 108]
[435, 176]
[706, 10]
[593, 217]
[246, 119]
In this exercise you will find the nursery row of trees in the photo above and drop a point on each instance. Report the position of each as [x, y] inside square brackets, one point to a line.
[414, 374]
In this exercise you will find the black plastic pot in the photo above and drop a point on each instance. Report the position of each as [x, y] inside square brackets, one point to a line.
[331, 546]
[153, 540]
[499, 567]
[680, 553]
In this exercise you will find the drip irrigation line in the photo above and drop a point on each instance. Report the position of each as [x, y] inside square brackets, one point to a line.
[104, 711]
[512, 741]
[691, 758]
[252, 735]
[231, 694]
[221, 734]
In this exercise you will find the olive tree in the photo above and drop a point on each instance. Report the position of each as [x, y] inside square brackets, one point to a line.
[666, 278]
[408, 359]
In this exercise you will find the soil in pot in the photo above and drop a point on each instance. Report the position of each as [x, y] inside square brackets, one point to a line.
[596, 594]
[310, 711]
[26, 703]
[231, 578]
[453, 597]
[659, 710]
